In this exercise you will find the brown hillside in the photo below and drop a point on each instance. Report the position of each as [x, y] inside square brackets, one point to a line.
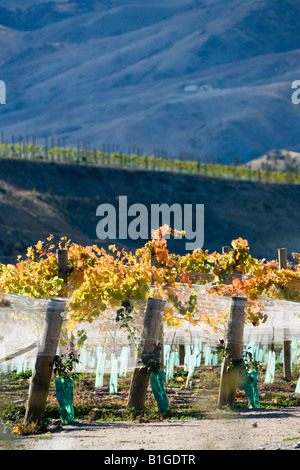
[38, 198]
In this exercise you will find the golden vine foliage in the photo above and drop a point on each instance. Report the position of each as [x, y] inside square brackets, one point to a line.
[237, 273]
[36, 276]
[99, 278]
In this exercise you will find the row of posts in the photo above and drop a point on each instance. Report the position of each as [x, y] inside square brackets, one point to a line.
[152, 334]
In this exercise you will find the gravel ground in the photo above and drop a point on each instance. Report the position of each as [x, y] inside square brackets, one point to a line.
[271, 429]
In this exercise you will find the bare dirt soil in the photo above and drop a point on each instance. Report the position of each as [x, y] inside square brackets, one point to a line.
[103, 423]
[247, 430]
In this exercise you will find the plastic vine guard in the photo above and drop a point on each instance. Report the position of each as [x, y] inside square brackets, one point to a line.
[250, 386]
[158, 388]
[64, 389]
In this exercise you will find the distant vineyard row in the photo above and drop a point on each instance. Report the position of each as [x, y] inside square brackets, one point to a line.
[143, 162]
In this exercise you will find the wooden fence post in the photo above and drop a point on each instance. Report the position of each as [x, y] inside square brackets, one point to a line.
[282, 258]
[287, 372]
[41, 378]
[225, 250]
[155, 263]
[62, 262]
[234, 343]
[181, 354]
[149, 337]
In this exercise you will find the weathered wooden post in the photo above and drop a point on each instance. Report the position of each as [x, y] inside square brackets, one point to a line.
[287, 370]
[149, 338]
[282, 258]
[227, 249]
[181, 354]
[62, 263]
[41, 377]
[234, 344]
[155, 263]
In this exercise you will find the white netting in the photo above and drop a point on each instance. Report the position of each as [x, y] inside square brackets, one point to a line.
[107, 341]
[108, 347]
[21, 324]
[283, 323]
[211, 307]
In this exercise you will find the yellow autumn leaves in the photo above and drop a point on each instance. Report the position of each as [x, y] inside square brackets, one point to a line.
[99, 278]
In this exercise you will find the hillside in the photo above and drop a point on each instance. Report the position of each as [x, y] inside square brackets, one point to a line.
[277, 160]
[38, 198]
[195, 77]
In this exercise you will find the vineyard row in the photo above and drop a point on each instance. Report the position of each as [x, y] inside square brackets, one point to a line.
[117, 159]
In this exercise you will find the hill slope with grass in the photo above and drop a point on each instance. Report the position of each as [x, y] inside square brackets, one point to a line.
[39, 198]
[208, 79]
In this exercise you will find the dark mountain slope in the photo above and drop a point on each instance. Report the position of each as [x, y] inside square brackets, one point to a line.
[37, 199]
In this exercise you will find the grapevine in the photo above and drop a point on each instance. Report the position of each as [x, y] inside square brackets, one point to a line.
[150, 163]
[99, 278]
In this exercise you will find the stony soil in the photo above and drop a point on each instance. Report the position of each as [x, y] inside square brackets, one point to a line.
[247, 430]
[275, 425]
